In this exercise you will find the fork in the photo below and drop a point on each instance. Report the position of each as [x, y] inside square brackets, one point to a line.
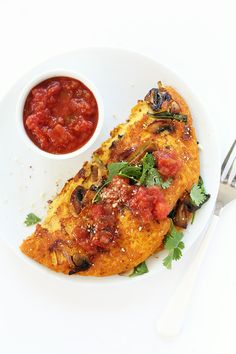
[171, 320]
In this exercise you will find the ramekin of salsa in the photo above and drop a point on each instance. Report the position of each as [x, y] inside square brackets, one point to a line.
[60, 114]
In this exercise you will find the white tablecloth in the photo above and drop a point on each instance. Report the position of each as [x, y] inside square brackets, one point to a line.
[40, 315]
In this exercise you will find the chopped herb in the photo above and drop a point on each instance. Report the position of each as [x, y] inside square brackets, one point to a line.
[139, 269]
[148, 163]
[193, 217]
[166, 184]
[133, 172]
[174, 245]
[201, 184]
[167, 262]
[31, 219]
[169, 115]
[114, 168]
[198, 194]
[150, 175]
[153, 178]
[145, 174]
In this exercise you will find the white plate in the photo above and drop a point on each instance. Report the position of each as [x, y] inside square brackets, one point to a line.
[28, 180]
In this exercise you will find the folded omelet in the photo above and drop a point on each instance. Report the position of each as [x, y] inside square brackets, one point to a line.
[100, 225]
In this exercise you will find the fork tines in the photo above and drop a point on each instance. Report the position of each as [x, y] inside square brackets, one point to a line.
[228, 168]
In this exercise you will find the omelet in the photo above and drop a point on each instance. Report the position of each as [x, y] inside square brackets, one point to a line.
[106, 221]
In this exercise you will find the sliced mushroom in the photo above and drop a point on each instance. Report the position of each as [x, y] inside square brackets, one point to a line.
[81, 263]
[182, 215]
[159, 126]
[77, 197]
[156, 97]
[174, 107]
[183, 211]
[165, 96]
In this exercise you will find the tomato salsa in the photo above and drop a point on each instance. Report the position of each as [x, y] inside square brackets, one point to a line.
[60, 115]
[97, 231]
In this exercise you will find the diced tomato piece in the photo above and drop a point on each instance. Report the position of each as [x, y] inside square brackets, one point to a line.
[59, 135]
[167, 162]
[96, 211]
[82, 126]
[103, 239]
[161, 210]
[149, 203]
[98, 229]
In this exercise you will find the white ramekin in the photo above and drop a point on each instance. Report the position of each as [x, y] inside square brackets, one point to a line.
[20, 106]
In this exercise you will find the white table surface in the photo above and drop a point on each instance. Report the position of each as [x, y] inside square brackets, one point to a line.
[40, 315]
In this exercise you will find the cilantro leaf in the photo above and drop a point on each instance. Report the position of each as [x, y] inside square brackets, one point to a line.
[181, 245]
[174, 244]
[114, 168]
[173, 238]
[193, 217]
[150, 175]
[153, 178]
[148, 162]
[31, 219]
[167, 262]
[133, 172]
[177, 254]
[197, 197]
[139, 269]
[198, 194]
[201, 184]
[166, 184]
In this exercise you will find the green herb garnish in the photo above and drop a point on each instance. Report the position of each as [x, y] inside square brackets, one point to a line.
[114, 168]
[169, 115]
[150, 175]
[133, 172]
[167, 183]
[31, 219]
[174, 245]
[144, 174]
[139, 269]
[193, 217]
[153, 178]
[198, 194]
[148, 163]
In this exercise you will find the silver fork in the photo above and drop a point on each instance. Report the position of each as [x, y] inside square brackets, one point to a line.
[171, 320]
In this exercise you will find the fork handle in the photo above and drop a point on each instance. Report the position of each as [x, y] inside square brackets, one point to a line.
[172, 318]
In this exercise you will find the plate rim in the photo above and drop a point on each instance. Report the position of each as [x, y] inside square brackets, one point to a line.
[112, 280]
